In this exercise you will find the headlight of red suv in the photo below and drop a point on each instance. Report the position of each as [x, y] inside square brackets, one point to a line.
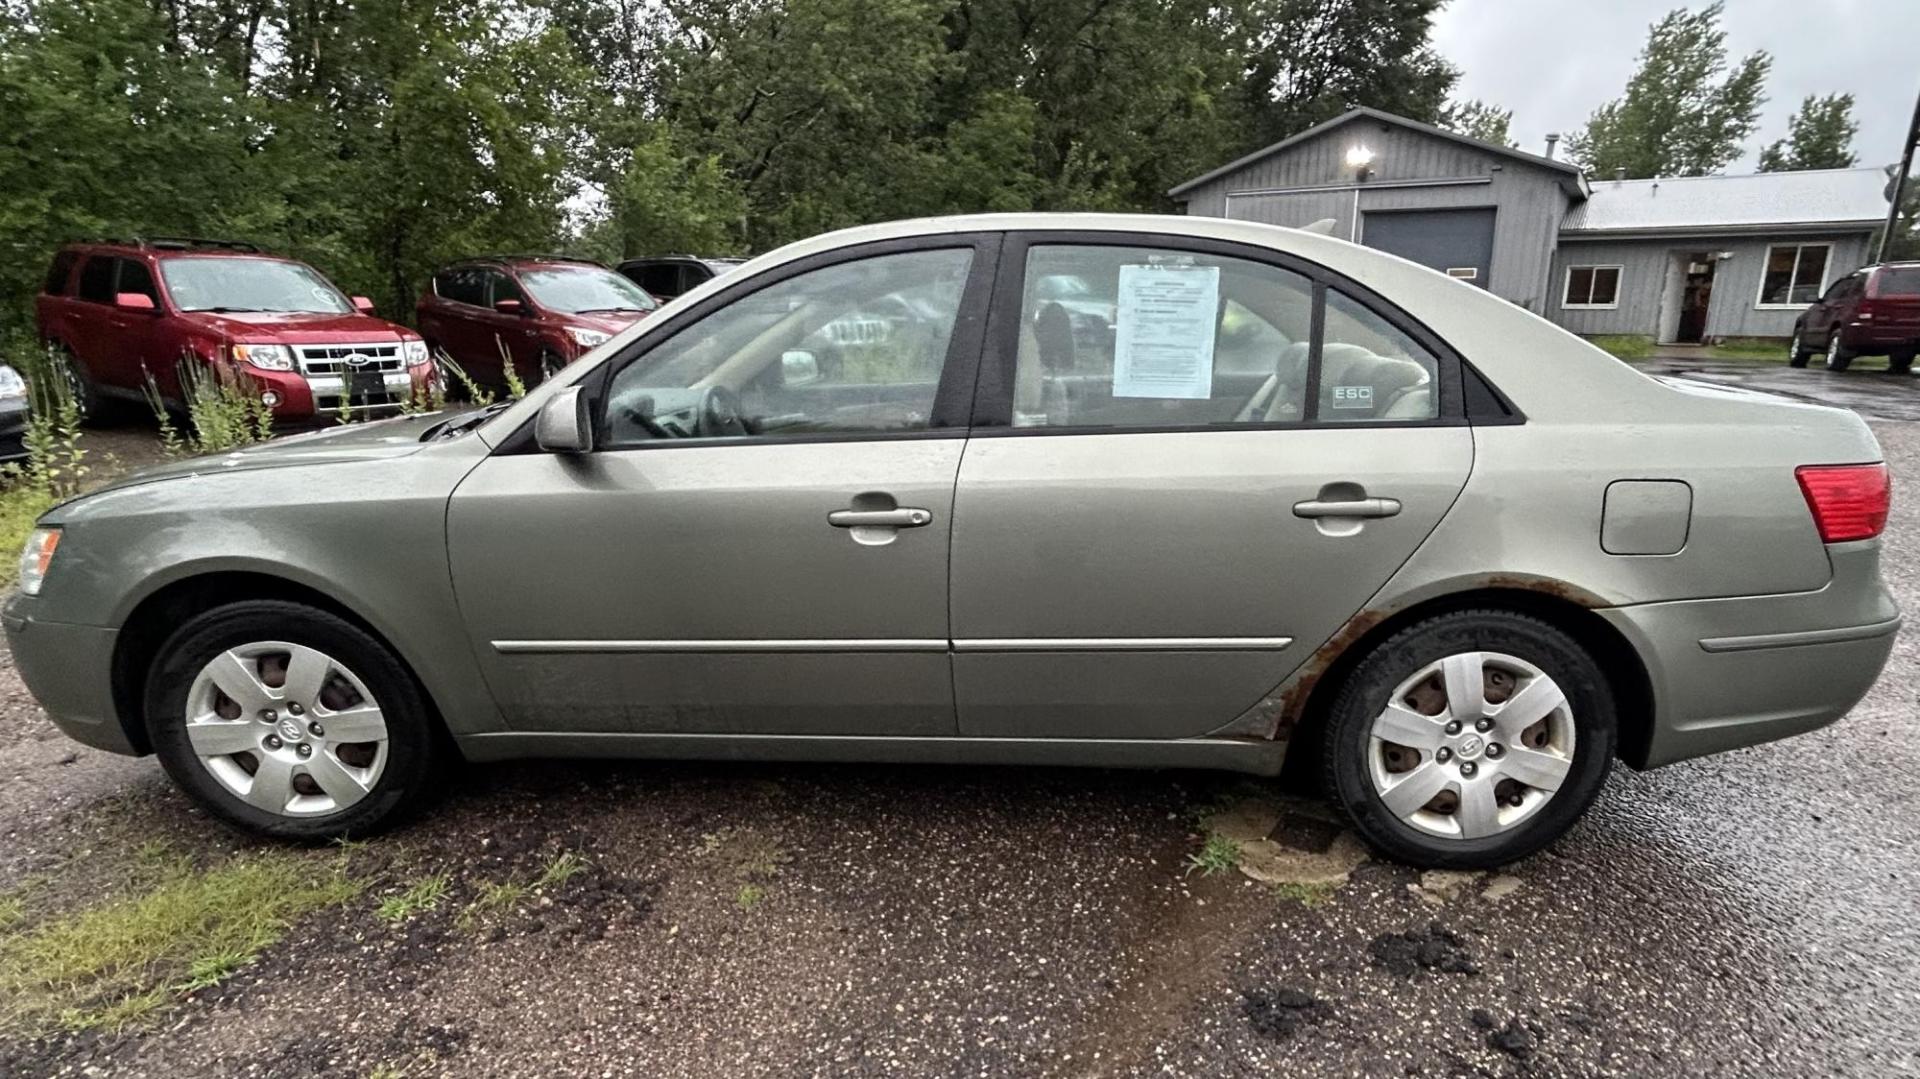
[415, 351]
[265, 357]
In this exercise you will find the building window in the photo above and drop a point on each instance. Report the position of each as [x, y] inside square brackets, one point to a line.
[1592, 286]
[1794, 276]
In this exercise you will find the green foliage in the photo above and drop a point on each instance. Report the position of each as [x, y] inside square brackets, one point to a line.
[1686, 112]
[1217, 855]
[115, 963]
[224, 409]
[1625, 346]
[1478, 120]
[1819, 136]
[56, 465]
[417, 898]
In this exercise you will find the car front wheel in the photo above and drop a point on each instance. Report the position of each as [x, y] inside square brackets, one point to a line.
[290, 721]
[1470, 739]
[1839, 356]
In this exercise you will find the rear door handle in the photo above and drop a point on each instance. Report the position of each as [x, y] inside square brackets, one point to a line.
[905, 517]
[1354, 507]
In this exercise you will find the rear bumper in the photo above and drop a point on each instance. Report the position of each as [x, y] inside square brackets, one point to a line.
[1730, 673]
[1865, 337]
[69, 669]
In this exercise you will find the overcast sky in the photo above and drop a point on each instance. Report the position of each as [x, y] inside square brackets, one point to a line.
[1553, 61]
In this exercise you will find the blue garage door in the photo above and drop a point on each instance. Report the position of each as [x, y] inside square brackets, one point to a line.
[1455, 242]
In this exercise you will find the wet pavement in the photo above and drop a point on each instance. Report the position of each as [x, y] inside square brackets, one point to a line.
[1867, 387]
[1750, 914]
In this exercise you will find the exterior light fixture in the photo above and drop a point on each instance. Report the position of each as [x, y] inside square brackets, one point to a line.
[1358, 158]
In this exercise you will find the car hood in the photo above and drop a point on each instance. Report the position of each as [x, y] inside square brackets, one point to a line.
[607, 322]
[296, 327]
[378, 439]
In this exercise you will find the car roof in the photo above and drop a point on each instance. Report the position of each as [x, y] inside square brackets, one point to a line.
[518, 260]
[171, 247]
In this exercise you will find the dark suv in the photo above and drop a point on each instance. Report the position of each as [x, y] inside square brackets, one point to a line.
[543, 311]
[667, 276]
[124, 310]
[1871, 312]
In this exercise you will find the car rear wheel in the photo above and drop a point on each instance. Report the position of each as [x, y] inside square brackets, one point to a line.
[1470, 739]
[290, 721]
[78, 384]
[1797, 351]
[1839, 356]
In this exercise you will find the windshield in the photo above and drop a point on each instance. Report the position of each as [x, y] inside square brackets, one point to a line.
[573, 289]
[249, 284]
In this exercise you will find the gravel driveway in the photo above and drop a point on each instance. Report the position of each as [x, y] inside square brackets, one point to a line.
[1750, 914]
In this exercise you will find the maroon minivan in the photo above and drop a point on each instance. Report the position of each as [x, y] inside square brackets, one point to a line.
[121, 311]
[542, 311]
[1873, 311]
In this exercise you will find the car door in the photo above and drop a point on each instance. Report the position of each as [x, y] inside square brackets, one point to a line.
[1179, 487]
[1823, 314]
[90, 331]
[755, 547]
[137, 335]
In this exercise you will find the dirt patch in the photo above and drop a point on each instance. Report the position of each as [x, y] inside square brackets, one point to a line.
[1287, 842]
[1281, 1013]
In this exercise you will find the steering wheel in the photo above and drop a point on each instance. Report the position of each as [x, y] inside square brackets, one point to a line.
[719, 413]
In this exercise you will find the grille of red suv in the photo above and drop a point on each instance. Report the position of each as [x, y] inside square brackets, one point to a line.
[336, 359]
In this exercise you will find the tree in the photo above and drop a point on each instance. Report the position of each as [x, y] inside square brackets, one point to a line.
[1820, 136]
[1679, 115]
[1478, 120]
[1308, 61]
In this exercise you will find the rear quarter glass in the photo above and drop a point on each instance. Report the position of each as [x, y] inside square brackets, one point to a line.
[1899, 281]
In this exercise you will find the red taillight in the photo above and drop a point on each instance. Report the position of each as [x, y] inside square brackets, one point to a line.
[1849, 502]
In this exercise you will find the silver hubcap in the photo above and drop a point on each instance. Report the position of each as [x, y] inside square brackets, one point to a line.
[1471, 745]
[287, 729]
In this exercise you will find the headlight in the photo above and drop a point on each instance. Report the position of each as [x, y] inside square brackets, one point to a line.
[11, 384]
[587, 338]
[415, 351]
[35, 559]
[265, 357]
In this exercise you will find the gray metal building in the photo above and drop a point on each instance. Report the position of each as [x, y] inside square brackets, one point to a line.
[1686, 259]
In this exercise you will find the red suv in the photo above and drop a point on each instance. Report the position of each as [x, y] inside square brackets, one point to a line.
[123, 310]
[1870, 312]
[543, 311]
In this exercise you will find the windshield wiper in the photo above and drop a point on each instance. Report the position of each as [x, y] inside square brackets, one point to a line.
[596, 310]
[454, 425]
[232, 310]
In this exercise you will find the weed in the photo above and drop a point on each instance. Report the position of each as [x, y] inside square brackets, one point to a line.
[113, 964]
[516, 389]
[750, 896]
[224, 409]
[502, 897]
[564, 867]
[477, 395]
[1306, 894]
[423, 895]
[1218, 855]
[56, 464]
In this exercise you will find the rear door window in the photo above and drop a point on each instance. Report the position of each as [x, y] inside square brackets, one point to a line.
[96, 279]
[60, 273]
[1899, 281]
[462, 286]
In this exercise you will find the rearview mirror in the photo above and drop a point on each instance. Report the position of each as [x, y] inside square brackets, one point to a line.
[363, 305]
[798, 367]
[510, 307]
[134, 301]
[565, 425]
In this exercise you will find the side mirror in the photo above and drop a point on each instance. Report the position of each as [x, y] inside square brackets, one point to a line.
[510, 307]
[363, 305]
[798, 367]
[565, 424]
[134, 301]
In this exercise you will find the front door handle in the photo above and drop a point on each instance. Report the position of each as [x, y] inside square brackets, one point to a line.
[1353, 507]
[905, 517]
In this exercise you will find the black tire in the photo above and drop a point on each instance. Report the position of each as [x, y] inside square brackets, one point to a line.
[1900, 363]
[1797, 353]
[1839, 356]
[1364, 695]
[414, 739]
[550, 366]
[80, 384]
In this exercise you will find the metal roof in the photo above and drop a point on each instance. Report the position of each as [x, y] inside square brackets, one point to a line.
[1570, 177]
[1695, 203]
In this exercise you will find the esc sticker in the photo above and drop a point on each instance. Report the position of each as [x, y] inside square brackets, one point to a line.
[1163, 331]
[1353, 397]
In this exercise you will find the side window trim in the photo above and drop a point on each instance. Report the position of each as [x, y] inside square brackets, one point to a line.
[952, 399]
[993, 402]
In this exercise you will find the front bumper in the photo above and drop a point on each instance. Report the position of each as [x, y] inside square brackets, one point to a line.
[321, 396]
[69, 669]
[1730, 673]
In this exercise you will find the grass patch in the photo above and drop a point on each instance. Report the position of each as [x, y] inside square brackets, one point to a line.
[500, 898]
[750, 896]
[1307, 895]
[1762, 349]
[421, 896]
[20, 506]
[114, 964]
[1624, 346]
[1218, 855]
